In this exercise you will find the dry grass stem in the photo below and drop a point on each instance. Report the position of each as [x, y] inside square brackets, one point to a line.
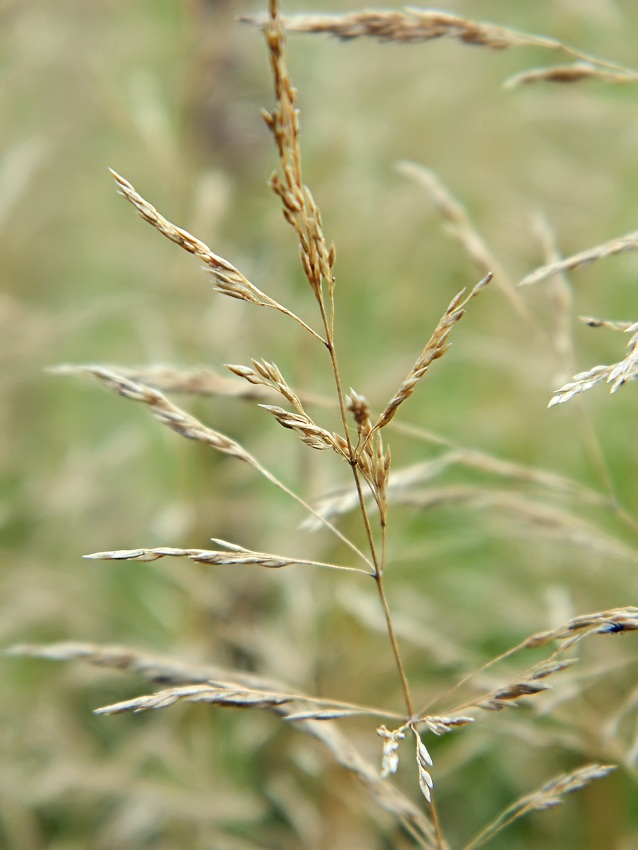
[584, 258]
[611, 622]
[560, 295]
[460, 228]
[537, 505]
[534, 518]
[615, 375]
[422, 25]
[368, 460]
[229, 696]
[236, 556]
[402, 484]
[326, 714]
[593, 322]
[569, 74]
[442, 724]
[197, 382]
[227, 280]
[298, 204]
[309, 432]
[549, 795]
[268, 375]
[601, 622]
[160, 669]
[169, 414]
[528, 684]
[551, 481]
[435, 348]
[166, 670]
[186, 425]
[404, 479]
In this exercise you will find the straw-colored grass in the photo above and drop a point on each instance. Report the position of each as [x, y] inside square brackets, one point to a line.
[433, 590]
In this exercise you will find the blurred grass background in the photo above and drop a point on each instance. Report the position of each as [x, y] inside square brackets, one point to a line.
[168, 93]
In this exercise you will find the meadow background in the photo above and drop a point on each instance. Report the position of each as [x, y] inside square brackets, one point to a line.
[168, 93]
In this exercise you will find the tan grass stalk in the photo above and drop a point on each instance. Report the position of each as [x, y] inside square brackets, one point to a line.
[404, 481]
[186, 425]
[208, 382]
[584, 258]
[569, 74]
[434, 349]
[533, 516]
[200, 382]
[169, 414]
[423, 25]
[615, 375]
[592, 322]
[232, 555]
[442, 724]
[548, 795]
[318, 260]
[461, 228]
[267, 374]
[298, 204]
[560, 295]
[161, 669]
[528, 685]
[551, 481]
[610, 622]
[369, 461]
[309, 432]
[223, 696]
[217, 680]
[197, 382]
[165, 670]
[227, 280]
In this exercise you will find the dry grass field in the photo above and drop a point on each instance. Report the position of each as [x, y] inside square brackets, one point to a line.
[345, 649]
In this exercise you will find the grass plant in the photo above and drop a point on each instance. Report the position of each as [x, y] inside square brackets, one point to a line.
[438, 623]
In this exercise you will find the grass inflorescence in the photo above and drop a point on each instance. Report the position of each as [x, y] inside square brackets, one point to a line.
[430, 670]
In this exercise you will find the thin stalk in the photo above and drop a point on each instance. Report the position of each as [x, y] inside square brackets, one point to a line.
[499, 824]
[378, 565]
[274, 480]
[442, 843]
[395, 646]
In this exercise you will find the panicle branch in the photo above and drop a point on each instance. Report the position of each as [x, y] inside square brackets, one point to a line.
[169, 414]
[186, 425]
[229, 556]
[616, 375]
[410, 25]
[298, 204]
[227, 280]
[570, 74]
[413, 25]
[629, 242]
[547, 796]
[267, 374]
[435, 348]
